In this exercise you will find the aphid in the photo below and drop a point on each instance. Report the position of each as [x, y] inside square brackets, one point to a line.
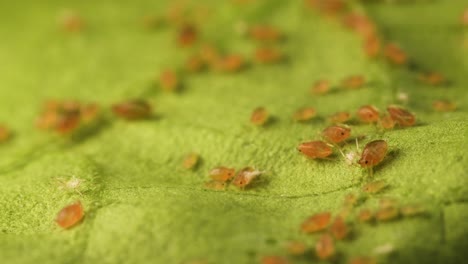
[215, 185]
[386, 122]
[362, 260]
[374, 187]
[73, 184]
[395, 54]
[296, 248]
[67, 120]
[317, 222]
[260, 116]
[401, 116]
[230, 63]
[304, 114]
[368, 114]
[339, 229]
[245, 176]
[353, 82]
[265, 33]
[267, 55]
[5, 133]
[187, 35]
[70, 215]
[444, 106]
[315, 149]
[339, 117]
[372, 46]
[168, 80]
[412, 210]
[132, 109]
[71, 21]
[374, 152]
[387, 213]
[464, 18]
[365, 215]
[222, 174]
[361, 24]
[194, 64]
[191, 161]
[320, 87]
[336, 134]
[325, 247]
[274, 260]
[432, 78]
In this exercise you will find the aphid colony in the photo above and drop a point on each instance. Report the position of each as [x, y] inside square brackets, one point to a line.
[221, 177]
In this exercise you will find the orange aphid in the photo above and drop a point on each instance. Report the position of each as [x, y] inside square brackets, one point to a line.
[325, 247]
[71, 21]
[432, 78]
[67, 120]
[412, 210]
[264, 33]
[230, 63]
[315, 149]
[215, 185]
[320, 87]
[362, 260]
[70, 215]
[268, 55]
[274, 260]
[387, 213]
[464, 18]
[4, 133]
[222, 174]
[304, 114]
[374, 187]
[187, 35]
[386, 122]
[245, 176]
[368, 114]
[315, 223]
[336, 134]
[353, 82]
[191, 161]
[339, 229]
[339, 117]
[395, 54]
[444, 106]
[168, 80]
[374, 152]
[259, 116]
[401, 116]
[132, 109]
[361, 24]
[296, 248]
[372, 46]
[194, 64]
[365, 215]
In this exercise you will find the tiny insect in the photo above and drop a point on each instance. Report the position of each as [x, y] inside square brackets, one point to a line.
[70, 215]
[72, 184]
[368, 114]
[296, 248]
[372, 46]
[187, 35]
[374, 187]
[265, 33]
[222, 174]
[386, 122]
[194, 64]
[353, 82]
[444, 106]
[304, 114]
[230, 63]
[365, 215]
[168, 80]
[336, 134]
[361, 24]
[339, 117]
[401, 116]
[362, 260]
[215, 185]
[395, 54]
[274, 260]
[387, 213]
[325, 247]
[67, 120]
[268, 55]
[339, 229]
[191, 161]
[245, 177]
[374, 152]
[432, 78]
[317, 222]
[132, 109]
[5, 133]
[259, 116]
[315, 149]
[320, 87]
[412, 210]
[71, 21]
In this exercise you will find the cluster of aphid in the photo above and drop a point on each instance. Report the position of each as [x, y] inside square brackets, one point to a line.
[221, 177]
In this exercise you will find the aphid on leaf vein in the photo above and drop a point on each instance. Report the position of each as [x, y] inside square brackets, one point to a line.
[315, 149]
[395, 54]
[296, 248]
[401, 116]
[317, 222]
[353, 82]
[274, 260]
[5, 133]
[222, 174]
[320, 87]
[245, 177]
[132, 109]
[372, 46]
[336, 134]
[374, 152]
[70, 215]
[304, 114]
[187, 35]
[368, 114]
[339, 117]
[169, 80]
[325, 247]
[374, 187]
[386, 122]
[260, 116]
[339, 229]
[444, 106]
[191, 161]
[268, 55]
